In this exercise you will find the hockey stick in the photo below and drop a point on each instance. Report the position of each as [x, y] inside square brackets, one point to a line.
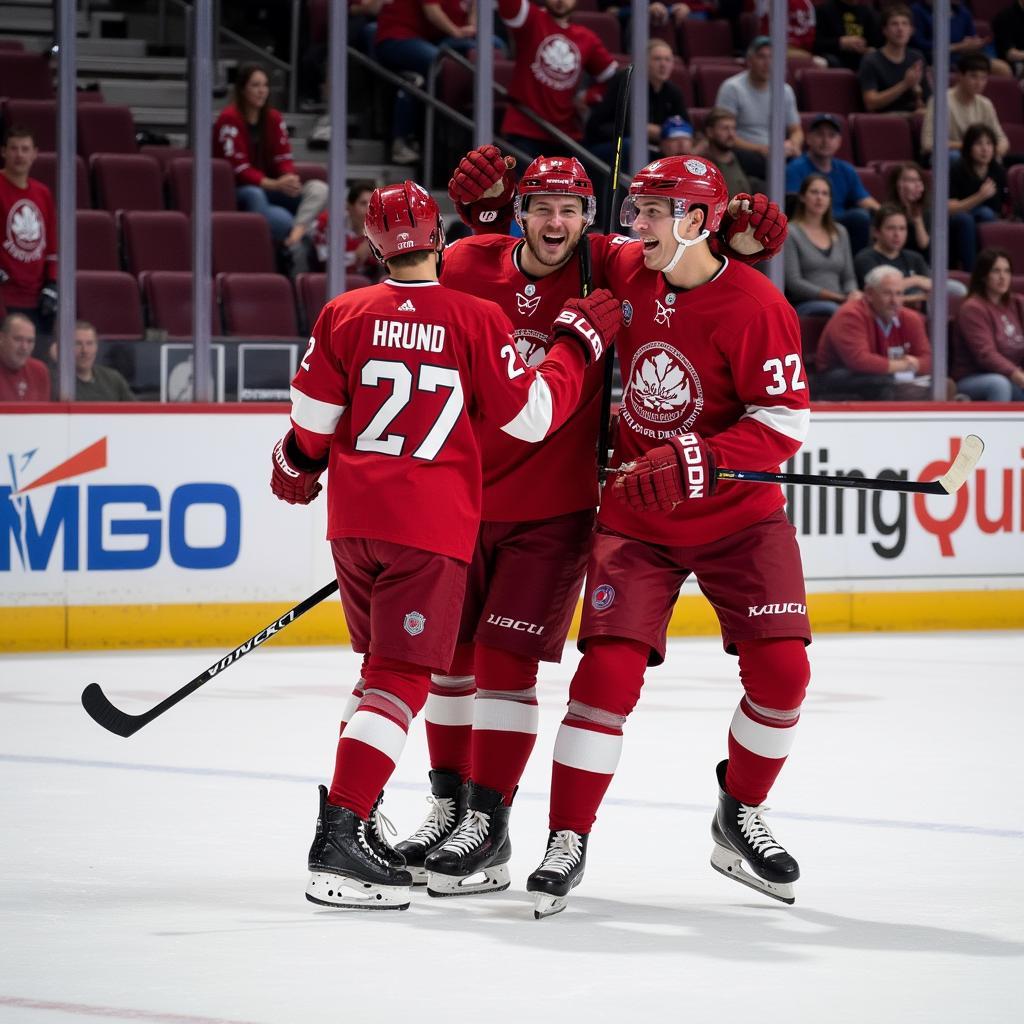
[95, 701]
[949, 483]
[605, 423]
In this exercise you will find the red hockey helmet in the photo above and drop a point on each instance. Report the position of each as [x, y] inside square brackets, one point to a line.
[687, 181]
[556, 176]
[402, 218]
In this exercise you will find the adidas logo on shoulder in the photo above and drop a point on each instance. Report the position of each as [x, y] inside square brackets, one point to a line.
[407, 307]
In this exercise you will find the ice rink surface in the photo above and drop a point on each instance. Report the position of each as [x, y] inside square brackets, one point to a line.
[160, 878]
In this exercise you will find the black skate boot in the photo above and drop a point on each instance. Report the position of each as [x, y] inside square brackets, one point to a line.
[475, 856]
[560, 871]
[447, 805]
[740, 834]
[346, 870]
[376, 825]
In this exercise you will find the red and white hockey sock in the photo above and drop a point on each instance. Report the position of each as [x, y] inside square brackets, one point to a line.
[449, 714]
[603, 692]
[775, 674]
[352, 703]
[504, 718]
[373, 739]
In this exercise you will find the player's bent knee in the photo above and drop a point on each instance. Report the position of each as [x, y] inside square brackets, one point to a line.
[775, 672]
[503, 670]
[402, 680]
[610, 676]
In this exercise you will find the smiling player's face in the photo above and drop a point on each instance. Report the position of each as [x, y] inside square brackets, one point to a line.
[553, 226]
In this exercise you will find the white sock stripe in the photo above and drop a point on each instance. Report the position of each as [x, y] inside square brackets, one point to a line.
[523, 696]
[597, 715]
[350, 708]
[376, 731]
[764, 740]
[442, 709]
[505, 716]
[453, 682]
[396, 702]
[773, 713]
[587, 750]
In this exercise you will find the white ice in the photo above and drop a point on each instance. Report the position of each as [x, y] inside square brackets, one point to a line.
[160, 878]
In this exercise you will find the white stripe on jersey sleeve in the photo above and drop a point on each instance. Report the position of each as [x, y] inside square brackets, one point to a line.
[519, 19]
[792, 423]
[313, 415]
[534, 422]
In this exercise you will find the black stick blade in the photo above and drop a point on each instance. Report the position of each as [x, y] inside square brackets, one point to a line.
[102, 712]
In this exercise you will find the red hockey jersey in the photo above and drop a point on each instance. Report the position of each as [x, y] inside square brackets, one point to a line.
[525, 482]
[392, 381]
[231, 142]
[28, 250]
[722, 360]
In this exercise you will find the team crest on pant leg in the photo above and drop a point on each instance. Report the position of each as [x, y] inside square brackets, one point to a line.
[414, 623]
[602, 596]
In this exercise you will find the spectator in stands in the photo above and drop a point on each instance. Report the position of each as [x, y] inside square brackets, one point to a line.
[94, 383]
[252, 136]
[963, 37]
[851, 204]
[719, 146]
[22, 378]
[967, 106]
[874, 349]
[819, 263]
[664, 101]
[28, 249]
[988, 358]
[846, 31]
[801, 27]
[748, 96]
[889, 249]
[358, 257]
[892, 78]
[1008, 30]
[676, 137]
[552, 55]
[977, 192]
[907, 190]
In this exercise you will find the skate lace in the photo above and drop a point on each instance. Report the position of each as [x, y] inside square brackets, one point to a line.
[439, 819]
[757, 833]
[563, 853]
[471, 832]
[380, 823]
[365, 845]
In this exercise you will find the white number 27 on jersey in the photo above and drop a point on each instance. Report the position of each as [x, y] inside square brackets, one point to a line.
[777, 368]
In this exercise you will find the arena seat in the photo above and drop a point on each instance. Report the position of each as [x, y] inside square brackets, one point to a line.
[603, 24]
[311, 292]
[26, 76]
[45, 170]
[241, 244]
[109, 299]
[96, 240]
[105, 129]
[222, 184]
[811, 328]
[712, 38]
[1015, 135]
[878, 137]
[257, 305]
[1006, 97]
[833, 89]
[1003, 234]
[168, 295]
[38, 116]
[875, 181]
[308, 170]
[163, 155]
[708, 79]
[127, 181]
[1015, 186]
[683, 81]
[156, 240]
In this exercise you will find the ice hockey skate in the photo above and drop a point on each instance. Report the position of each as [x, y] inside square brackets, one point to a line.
[447, 803]
[474, 859]
[376, 826]
[346, 871]
[741, 835]
[560, 871]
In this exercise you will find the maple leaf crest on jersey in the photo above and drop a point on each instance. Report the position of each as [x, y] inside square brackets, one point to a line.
[557, 63]
[532, 346]
[25, 235]
[662, 385]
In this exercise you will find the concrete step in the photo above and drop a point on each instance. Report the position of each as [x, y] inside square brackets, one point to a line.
[135, 93]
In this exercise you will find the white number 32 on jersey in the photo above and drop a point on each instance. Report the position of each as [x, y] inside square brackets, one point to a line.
[777, 368]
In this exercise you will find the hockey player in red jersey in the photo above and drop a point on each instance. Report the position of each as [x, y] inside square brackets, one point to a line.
[712, 371]
[387, 399]
[538, 515]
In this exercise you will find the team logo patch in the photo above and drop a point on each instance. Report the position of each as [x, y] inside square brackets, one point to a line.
[531, 345]
[627, 312]
[696, 167]
[663, 394]
[487, 216]
[663, 316]
[414, 623]
[602, 596]
[527, 306]
[557, 63]
[25, 232]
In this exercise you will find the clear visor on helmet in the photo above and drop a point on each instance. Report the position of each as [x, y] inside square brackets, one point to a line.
[630, 209]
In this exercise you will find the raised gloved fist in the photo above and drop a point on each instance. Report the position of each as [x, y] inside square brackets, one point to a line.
[295, 477]
[756, 230]
[479, 173]
[592, 322]
[663, 477]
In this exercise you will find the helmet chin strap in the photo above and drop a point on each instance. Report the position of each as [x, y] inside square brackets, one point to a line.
[682, 245]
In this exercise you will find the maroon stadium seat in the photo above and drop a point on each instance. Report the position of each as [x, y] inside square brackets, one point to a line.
[26, 76]
[308, 170]
[257, 305]
[127, 181]
[241, 244]
[168, 295]
[845, 151]
[109, 300]
[1005, 95]
[810, 332]
[705, 39]
[1015, 185]
[105, 129]
[163, 155]
[1015, 134]
[96, 240]
[45, 170]
[12, 45]
[833, 89]
[604, 25]
[1002, 234]
[683, 81]
[875, 181]
[666, 32]
[222, 185]
[987, 9]
[698, 115]
[709, 78]
[878, 137]
[38, 116]
[311, 291]
[156, 240]
[750, 28]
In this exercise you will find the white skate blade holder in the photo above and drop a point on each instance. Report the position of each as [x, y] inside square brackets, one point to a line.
[419, 875]
[346, 893]
[547, 906]
[492, 879]
[730, 864]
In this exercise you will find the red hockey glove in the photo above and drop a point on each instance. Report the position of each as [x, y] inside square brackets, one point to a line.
[479, 172]
[663, 477]
[592, 322]
[296, 477]
[767, 222]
